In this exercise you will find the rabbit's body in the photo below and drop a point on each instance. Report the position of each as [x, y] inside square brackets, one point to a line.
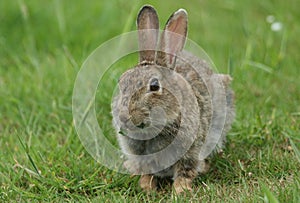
[168, 102]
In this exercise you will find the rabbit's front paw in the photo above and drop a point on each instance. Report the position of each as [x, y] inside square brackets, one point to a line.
[182, 185]
[148, 182]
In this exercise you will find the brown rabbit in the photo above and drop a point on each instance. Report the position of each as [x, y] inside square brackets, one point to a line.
[171, 111]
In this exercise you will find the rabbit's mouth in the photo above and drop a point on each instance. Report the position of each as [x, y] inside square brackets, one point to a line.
[144, 130]
[139, 122]
[142, 125]
[137, 126]
[149, 128]
[133, 123]
[134, 128]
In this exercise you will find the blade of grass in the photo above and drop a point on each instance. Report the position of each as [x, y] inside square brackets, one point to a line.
[269, 197]
[26, 149]
[259, 65]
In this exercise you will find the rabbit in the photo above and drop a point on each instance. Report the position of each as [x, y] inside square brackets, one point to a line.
[166, 105]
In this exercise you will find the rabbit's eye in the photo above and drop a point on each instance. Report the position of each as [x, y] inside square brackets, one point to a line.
[154, 85]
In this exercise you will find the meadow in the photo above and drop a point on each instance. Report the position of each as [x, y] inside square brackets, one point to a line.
[42, 48]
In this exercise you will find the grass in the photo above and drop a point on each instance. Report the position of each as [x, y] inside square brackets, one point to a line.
[42, 47]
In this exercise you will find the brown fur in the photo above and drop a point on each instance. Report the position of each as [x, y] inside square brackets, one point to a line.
[188, 99]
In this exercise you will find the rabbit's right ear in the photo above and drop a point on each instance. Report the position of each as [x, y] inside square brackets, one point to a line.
[148, 28]
[173, 38]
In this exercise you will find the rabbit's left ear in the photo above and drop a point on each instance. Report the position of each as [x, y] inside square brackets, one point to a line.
[148, 28]
[173, 38]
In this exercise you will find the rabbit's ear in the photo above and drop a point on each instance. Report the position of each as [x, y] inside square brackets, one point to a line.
[148, 28]
[173, 38]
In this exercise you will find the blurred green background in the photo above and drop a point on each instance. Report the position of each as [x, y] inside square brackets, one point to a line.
[42, 47]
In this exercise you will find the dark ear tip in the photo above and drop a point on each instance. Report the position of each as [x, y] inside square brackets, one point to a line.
[146, 9]
[180, 13]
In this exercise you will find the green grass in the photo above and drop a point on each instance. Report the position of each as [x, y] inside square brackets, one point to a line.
[42, 47]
